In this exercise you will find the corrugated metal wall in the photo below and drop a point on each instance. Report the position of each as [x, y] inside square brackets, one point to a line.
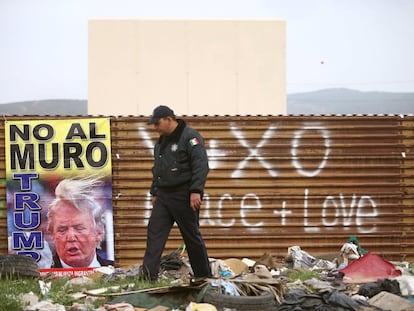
[275, 181]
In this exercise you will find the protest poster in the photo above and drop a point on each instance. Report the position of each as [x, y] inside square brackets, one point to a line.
[59, 192]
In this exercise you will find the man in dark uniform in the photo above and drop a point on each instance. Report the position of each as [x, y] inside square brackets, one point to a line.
[179, 175]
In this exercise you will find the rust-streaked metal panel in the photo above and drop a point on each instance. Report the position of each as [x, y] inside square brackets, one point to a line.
[275, 181]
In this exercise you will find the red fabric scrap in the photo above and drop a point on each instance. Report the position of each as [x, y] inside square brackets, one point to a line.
[369, 268]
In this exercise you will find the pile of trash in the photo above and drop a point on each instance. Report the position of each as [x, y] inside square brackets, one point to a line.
[357, 280]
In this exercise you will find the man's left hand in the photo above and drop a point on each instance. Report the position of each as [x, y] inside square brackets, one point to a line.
[195, 201]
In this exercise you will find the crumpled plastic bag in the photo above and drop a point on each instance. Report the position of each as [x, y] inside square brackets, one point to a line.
[406, 283]
[349, 251]
[227, 288]
[303, 260]
[219, 268]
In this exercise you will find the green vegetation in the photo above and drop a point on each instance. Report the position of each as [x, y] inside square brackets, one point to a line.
[10, 290]
[61, 292]
[302, 275]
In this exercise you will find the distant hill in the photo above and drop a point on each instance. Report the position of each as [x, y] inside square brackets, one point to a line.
[346, 101]
[323, 102]
[51, 107]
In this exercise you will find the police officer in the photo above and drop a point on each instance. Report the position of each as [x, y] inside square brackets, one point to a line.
[179, 175]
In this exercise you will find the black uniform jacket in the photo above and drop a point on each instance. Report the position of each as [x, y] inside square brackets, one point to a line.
[180, 161]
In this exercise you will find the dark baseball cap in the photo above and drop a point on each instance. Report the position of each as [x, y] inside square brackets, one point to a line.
[160, 112]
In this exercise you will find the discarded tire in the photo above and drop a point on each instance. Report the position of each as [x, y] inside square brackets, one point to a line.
[15, 266]
[265, 302]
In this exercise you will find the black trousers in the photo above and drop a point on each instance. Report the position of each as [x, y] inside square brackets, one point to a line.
[175, 207]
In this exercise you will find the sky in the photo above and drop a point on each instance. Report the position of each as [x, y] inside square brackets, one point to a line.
[366, 45]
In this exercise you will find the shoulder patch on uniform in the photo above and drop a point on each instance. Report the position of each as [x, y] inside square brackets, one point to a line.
[194, 141]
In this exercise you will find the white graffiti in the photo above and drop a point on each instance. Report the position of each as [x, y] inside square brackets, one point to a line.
[232, 221]
[366, 209]
[214, 154]
[283, 213]
[350, 211]
[246, 208]
[359, 212]
[146, 138]
[207, 218]
[306, 225]
[253, 152]
[296, 143]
